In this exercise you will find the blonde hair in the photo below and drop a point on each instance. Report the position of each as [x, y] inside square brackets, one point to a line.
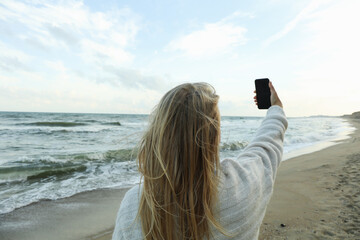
[179, 160]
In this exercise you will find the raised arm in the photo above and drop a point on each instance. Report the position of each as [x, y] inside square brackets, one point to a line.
[247, 182]
[267, 143]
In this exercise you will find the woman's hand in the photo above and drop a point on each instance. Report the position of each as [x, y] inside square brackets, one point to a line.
[274, 98]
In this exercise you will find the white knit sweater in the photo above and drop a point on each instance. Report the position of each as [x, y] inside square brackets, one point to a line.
[245, 189]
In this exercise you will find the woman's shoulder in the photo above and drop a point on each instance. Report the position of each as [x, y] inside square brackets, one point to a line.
[135, 190]
[127, 226]
[131, 198]
[129, 204]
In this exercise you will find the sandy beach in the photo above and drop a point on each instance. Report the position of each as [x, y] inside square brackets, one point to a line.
[316, 196]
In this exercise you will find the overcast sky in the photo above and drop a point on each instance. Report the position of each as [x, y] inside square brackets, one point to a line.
[122, 56]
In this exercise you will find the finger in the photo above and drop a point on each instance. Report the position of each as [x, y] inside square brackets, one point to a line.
[271, 86]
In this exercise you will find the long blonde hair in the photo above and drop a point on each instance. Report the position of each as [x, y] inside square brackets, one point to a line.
[179, 161]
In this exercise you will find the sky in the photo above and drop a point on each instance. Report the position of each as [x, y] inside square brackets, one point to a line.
[123, 56]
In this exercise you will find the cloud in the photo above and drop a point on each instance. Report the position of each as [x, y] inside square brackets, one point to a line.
[133, 78]
[328, 63]
[213, 38]
[13, 60]
[237, 15]
[334, 42]
[64, 56]
[304, 13]
[68, 92]
[73, 27]
[67, 35]
[12, 64]
[96, 53]
[63, 35]
[58, 66]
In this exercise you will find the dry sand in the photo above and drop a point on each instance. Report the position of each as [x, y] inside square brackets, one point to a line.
[316, 196]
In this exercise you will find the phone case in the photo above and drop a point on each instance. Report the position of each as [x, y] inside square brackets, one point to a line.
[263, 93]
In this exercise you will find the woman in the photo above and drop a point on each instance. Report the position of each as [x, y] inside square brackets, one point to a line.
[186, 193]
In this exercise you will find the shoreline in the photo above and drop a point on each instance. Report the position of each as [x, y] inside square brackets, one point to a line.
[296, 202]
[318, 146]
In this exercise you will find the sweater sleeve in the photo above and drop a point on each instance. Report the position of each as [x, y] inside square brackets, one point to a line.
[267, 145]
[247, 181]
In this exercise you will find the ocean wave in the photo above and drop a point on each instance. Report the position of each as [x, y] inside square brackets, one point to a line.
[60, 167]
[112, 123]
[66, 182]
[120, 155]
[16, 115]
[66, 124]
[54, 124]
[57, 173]
[294, 139]
[42, 159]
[88, 120]
[46, 131]
[25, 170]
[8, 182]
[37, 171]
[233, 146]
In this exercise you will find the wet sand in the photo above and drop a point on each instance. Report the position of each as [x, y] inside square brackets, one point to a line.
[316, 196]
[88, 215]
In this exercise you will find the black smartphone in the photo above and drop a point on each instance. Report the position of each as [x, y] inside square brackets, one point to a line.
[263, 93]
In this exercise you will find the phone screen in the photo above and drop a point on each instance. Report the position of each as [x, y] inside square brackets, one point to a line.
[263, 93]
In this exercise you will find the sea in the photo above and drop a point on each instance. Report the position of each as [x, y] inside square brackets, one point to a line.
[56, 155]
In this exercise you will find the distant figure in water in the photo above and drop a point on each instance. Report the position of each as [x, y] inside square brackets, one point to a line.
[185, 191]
